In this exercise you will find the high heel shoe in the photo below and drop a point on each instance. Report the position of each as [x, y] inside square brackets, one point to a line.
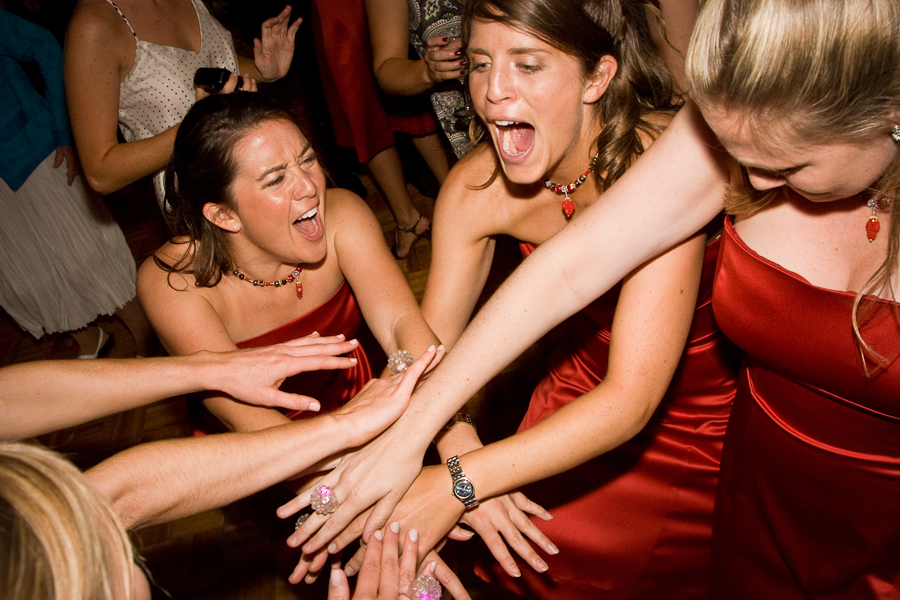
[103, 340]
[398, 230]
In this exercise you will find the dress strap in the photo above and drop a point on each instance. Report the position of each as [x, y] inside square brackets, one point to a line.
[113, 4]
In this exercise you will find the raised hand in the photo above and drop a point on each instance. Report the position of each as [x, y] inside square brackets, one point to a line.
[444, 59]
[274, 50]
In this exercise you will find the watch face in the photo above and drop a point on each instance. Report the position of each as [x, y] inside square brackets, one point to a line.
[463, 489]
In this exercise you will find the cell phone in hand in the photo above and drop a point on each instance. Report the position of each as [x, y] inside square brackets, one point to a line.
[212, 80]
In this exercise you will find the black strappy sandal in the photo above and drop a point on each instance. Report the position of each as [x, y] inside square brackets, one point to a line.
[398, 230]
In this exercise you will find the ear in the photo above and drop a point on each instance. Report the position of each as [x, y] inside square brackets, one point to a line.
[599, 80]
[221, 217]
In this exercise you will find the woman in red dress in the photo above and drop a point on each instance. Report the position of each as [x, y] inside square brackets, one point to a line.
[255, 264]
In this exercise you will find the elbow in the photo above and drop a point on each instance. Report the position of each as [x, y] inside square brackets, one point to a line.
[100, 184]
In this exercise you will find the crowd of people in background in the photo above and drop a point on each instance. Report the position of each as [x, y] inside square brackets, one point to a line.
[705, 198]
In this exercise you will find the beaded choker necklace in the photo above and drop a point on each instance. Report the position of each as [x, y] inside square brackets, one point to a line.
[567, 205]
[294, 276]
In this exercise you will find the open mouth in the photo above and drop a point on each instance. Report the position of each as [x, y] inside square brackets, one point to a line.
[309, 224]
[515, 138]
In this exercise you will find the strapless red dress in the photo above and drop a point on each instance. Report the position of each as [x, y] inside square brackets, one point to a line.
[637, 521]
[809, 497]
[332, 388]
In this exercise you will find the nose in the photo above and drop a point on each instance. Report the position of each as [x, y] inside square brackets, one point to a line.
[499, 85]
[303, 182]
[765, 180]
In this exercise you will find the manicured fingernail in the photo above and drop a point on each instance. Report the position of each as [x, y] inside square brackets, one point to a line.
[315, 406]
[335, 577]
[354, 360]
[332, 548]
[462, 63]
[431, 348]
[378, 535]
[541, 565]
[349, 571]
[516, 572]
[354, 342]
[468, 533]
[445, 40]
[432, 567]
[457, 53]
[413, 535]
[340, 335]
[395, 527]
[552, 548]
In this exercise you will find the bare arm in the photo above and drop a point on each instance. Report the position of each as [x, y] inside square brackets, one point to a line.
[387, 303]
[395, 72]
[43, 396]
[170, 479]
[679, 17]
[675, 188]
[97, 43]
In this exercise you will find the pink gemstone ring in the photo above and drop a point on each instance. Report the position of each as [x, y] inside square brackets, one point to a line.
[425, 587]
[323, 500]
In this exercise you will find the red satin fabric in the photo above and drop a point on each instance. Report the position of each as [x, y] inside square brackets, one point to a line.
[362, 116]
[809, 496]
[332, 388]
[637, 521]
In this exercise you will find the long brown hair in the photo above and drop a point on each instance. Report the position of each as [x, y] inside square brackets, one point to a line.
[827, 70]
[589, 30]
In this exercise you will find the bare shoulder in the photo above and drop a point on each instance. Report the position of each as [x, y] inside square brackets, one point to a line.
[341, 204]
[96, 29]
[153, 277]
[474, 177]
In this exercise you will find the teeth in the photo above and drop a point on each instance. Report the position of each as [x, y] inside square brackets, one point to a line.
[310, 214]
[505, 142]
[505, 123]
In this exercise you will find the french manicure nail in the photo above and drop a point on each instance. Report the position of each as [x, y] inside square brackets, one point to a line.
[395, 527]
[432, 567]
[314, 406]
[553, 549]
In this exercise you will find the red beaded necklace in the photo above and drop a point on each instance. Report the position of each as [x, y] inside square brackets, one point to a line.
[567, 205]
[294, 276]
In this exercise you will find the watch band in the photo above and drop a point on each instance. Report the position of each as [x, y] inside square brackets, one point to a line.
[459, 417]
[463, 489]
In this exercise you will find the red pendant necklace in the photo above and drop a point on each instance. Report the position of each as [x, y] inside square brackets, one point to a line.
[567, 205]
[294, 276]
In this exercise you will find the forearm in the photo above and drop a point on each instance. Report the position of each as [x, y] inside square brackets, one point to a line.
[404, 77]
[43, 396]
[239, 417]
[171, 479]
[247, 66]
[124, 163]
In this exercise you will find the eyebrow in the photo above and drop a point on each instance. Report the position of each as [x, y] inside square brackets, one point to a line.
[282, 166]
[511, 51]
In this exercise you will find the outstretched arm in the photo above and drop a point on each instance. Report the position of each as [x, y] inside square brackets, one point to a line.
[672, 191]
[170, 479]
[43, 396]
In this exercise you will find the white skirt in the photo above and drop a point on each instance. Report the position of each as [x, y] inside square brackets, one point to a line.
[63, 259]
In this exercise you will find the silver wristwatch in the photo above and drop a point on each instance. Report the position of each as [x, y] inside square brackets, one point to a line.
[462, 486]
[459, 417]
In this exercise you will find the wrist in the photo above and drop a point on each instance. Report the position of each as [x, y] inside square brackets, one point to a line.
[463, 489]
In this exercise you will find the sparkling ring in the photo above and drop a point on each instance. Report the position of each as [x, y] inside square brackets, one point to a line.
[425, 587]
[399, 361]
[323, 500]
[301, 520]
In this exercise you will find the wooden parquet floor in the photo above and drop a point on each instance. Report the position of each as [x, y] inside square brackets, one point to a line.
[237, 552]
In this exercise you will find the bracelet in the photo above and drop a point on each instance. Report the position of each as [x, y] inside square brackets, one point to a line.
[459, 417]
[399, 361]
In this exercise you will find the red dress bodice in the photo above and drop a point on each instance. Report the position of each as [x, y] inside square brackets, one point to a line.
[809, 496]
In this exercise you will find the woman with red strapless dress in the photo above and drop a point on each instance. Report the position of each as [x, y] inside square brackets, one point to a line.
[254, 263]
[631, 424]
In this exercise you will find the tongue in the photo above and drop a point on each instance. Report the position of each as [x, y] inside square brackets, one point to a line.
[307, 227]
[521, 137]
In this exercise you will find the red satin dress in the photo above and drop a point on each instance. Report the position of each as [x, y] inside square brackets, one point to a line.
[635, 522]
[809, 497]
[332, 388]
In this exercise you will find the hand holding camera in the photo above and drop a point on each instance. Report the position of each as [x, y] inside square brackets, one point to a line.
[214, 80]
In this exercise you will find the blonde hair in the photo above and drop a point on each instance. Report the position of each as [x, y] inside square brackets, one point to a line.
[822, 70]
[59, 537]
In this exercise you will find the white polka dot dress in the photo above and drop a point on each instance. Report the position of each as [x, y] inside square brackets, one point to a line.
[159, 90]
